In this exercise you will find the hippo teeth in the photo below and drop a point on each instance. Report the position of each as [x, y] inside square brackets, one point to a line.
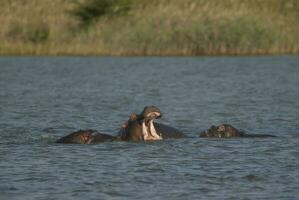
[144, 131]
[154, 132]
[149, 131]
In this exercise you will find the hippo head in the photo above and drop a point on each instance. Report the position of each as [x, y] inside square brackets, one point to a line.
[147, 117]
[141, 127]
[222, 131]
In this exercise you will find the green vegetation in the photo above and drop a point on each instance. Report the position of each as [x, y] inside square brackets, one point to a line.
[142, 27]
[35, 33]
[91, 10]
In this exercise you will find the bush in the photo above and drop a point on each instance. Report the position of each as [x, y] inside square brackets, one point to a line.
[32, 32]
[91, 10]
[37, 33]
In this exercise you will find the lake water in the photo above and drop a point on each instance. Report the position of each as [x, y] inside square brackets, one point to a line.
[44, 98]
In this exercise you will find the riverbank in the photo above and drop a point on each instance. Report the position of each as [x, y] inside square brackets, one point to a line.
[161, 27]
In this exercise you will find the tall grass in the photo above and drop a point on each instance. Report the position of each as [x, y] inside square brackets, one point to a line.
[156, 27]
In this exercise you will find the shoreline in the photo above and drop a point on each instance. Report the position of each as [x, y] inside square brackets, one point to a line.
[152, 55]
[149, 55]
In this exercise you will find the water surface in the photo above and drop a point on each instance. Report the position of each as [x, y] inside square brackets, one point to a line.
[42, 99]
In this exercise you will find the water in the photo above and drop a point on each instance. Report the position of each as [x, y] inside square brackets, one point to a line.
[45, 98]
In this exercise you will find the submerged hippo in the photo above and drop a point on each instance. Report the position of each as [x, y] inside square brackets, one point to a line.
[139, 127]
[228, 131]
[86, 137]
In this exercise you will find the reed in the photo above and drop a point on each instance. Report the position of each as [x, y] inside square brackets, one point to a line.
[156, 27]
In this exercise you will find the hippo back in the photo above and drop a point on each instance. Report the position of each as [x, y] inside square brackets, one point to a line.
[167, 131]
[86, 137]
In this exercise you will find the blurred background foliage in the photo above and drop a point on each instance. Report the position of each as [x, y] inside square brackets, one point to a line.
[156, 27]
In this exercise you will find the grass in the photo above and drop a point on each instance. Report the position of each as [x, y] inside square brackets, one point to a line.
[156, 27]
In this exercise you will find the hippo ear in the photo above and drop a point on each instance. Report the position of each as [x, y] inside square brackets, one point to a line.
[134, 116]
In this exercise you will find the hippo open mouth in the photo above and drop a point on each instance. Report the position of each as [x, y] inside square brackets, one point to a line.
[149, 114]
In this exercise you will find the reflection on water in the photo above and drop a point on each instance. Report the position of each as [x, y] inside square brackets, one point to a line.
[42, 99]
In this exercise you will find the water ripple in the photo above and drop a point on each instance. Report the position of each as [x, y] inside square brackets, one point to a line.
[42, 99]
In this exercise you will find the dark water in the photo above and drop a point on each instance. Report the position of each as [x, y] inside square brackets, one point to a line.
[43, 99]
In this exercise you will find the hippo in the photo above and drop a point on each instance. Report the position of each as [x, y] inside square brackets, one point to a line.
[139, 127]
[143, 128]
[228, 131]
[86, 137]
